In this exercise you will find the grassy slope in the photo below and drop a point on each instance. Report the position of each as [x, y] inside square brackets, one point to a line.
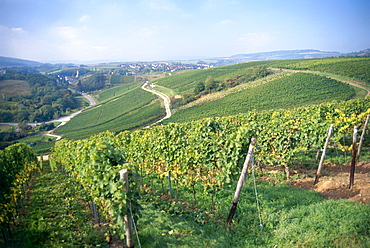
[287, 216]
[117, 91]
[258, 97]
[296, 90]
[129, 110]
[14, 87]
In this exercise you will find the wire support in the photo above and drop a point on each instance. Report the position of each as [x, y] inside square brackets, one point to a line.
[255, 191]
[133, 221]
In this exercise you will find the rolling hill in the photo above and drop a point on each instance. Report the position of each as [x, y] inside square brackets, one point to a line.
[227, 90]
[10, 62]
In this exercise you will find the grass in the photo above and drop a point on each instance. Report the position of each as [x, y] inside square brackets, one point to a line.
[14, 87]
[117, 91]
[290, 218]
[132, 120]
[53, 215]
[298, 89]
[127, 111]
[166, 91]
[6, 128]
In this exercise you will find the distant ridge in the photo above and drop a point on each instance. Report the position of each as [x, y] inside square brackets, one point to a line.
[8, 62]
[284, 54]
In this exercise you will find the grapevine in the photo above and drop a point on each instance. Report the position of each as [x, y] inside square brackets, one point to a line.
[16, 164]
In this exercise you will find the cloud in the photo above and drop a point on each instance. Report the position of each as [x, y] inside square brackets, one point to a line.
[160, 5]
[225, 22]
[74, 43]
[256, 41]
[84, 18]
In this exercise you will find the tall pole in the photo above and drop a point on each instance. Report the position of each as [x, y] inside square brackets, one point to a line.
[128, 218]
[353, 162]
[241, 180]
[362, 139]
[323, 154]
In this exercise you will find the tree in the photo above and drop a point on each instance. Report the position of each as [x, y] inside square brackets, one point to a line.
[23, 128]
[210, 84]
[199, 88]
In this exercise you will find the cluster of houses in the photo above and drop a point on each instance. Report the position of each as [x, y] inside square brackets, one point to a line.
[163, 66]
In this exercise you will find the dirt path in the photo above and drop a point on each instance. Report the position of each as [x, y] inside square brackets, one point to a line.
[165, 98]
[352, 82]
[63, 120]
[333, 184]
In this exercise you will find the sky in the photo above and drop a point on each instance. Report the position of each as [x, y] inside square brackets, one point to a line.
[149, 30]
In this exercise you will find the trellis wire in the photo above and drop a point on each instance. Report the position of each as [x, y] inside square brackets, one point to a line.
[255, 191]
[133, 221]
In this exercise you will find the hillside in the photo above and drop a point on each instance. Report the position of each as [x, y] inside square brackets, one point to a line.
[10, 62]
[290, 84]
[124, 107]
[224, 91]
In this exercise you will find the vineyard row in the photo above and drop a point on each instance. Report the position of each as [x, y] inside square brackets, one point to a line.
[208, 152]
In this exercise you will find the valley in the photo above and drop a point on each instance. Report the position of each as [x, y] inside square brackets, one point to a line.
[184, 138]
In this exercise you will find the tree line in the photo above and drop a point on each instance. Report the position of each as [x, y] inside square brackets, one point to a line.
[47, 100]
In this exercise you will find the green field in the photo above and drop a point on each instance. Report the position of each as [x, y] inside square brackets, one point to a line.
[296, 90]
[185, 82]
[117, 91]
[130, 110]
[13, 88]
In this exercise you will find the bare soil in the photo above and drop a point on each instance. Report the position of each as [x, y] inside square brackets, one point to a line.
[333, 184]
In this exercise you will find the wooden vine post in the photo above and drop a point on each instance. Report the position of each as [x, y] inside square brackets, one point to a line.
[318, 173]
[128, 220]
[353, 162]
[241, 180]
[362, 139]
[169, 183]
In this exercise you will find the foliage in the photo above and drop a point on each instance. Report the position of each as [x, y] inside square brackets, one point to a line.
[130, 110]
[91, 82]
[95, 163]
[16, 164]
[55, 213]
[117, 91]
[298, 89]
[47, 100]
[357, 68]
[339, 224]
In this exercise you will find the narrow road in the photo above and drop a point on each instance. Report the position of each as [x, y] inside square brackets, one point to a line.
[166, 101]
[333, 76]
[63, 120]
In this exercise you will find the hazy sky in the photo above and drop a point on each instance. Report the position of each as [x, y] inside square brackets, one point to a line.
[127, 30]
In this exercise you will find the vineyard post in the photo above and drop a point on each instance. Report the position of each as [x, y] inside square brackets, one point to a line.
[96, 215]
[362, 139]
[241, 180]
[169, 183]
[353, 162]
[323, 154]
[128, 220]
[6, 241]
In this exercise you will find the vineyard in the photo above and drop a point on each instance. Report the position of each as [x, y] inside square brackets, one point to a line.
[129, 110]
[174, 183]
[202, 157]
[298, 89]
[17, 162]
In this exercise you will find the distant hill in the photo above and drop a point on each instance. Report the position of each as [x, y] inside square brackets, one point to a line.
[9, 62]
[277, 55]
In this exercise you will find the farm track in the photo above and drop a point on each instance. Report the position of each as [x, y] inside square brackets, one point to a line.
[352, 82]
[166, 101]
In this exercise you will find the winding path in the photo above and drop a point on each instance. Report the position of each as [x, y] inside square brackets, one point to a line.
[67, 118]
[333, 76]
[63, 120]
[166, 101]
